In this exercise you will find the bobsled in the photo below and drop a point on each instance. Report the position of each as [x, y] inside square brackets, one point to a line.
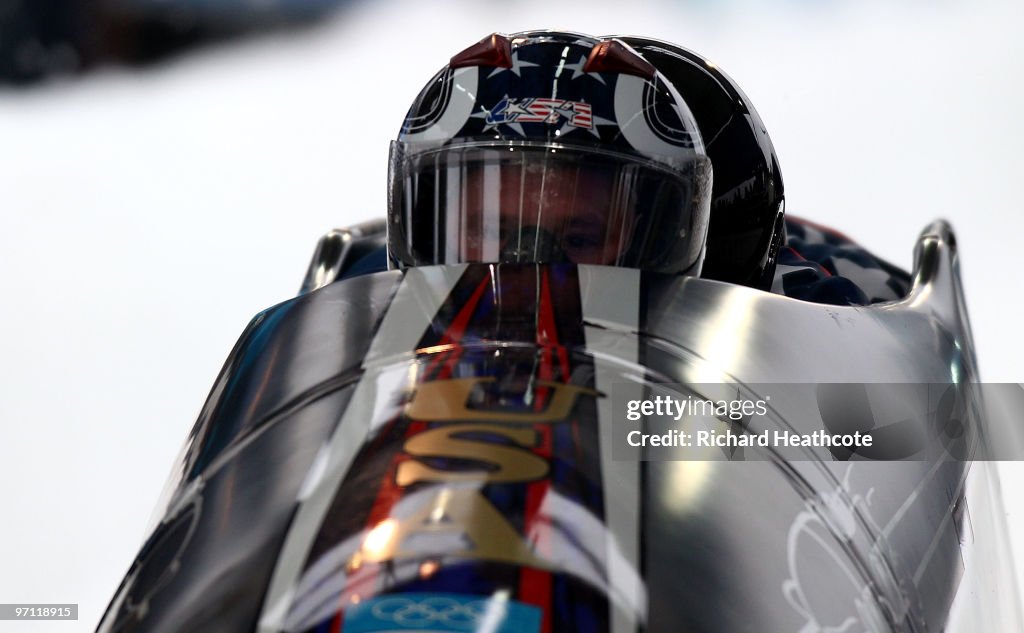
[432, 449]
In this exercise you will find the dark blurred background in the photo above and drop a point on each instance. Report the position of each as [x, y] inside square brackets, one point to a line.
[43, 38]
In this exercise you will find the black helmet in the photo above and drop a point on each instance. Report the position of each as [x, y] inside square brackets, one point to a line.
[548, 146]
[747, 209]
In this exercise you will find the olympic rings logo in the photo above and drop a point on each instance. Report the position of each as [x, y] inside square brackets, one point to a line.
[420, 613]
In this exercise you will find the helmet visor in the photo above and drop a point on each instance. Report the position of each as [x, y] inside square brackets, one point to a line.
[545, 204]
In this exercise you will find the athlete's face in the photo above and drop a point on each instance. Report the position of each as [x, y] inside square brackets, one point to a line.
[575, 208]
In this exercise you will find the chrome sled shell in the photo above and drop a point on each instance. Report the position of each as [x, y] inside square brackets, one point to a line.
[358, 467]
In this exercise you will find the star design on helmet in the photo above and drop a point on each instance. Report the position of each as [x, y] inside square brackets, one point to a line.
[499, 114]
[577, 70]
[515, 108]
[565, 112]
[517, 66]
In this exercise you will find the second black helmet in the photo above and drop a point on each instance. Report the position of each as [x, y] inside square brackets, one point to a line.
[747, 225]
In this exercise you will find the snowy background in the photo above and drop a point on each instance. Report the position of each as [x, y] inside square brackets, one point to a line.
[146, 216]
